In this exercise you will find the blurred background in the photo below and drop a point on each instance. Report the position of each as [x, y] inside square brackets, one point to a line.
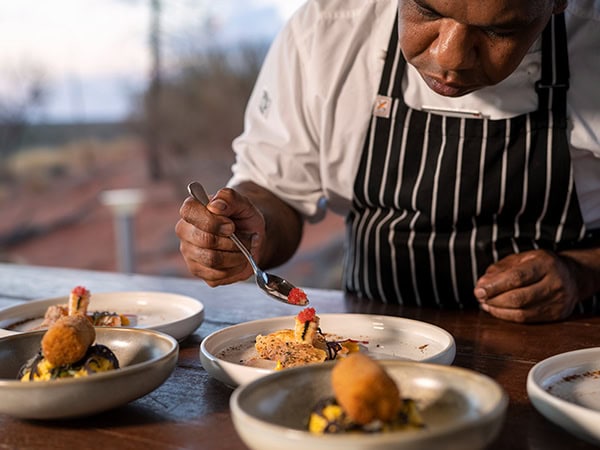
[108, 108]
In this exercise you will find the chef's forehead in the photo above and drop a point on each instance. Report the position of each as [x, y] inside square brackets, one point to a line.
[472, 11]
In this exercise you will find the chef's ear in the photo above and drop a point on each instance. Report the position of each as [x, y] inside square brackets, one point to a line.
[559, 6]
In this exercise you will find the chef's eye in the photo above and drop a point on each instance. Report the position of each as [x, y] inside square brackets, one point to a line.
[426, 11]
[499, 33]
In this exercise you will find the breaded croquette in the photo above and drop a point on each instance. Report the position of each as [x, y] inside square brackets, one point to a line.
[68, 339]
[364, 390]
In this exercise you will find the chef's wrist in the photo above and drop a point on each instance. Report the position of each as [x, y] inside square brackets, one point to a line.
[584, 267]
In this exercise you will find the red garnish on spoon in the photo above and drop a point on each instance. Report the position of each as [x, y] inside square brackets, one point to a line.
[297, 297]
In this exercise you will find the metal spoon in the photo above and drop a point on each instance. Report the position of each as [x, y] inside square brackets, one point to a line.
[273, 285]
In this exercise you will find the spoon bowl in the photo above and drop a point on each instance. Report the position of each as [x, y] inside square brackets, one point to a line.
[274, 286]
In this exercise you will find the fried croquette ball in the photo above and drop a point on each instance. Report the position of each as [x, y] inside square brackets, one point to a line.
[67, 340]
[364, 390]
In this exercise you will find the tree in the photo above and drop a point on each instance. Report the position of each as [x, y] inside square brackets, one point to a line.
[153, 95]
[26, 90]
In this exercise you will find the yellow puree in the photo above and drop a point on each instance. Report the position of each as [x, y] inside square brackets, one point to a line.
[333, 415]
[44, 370]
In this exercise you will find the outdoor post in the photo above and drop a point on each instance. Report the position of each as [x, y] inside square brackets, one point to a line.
[124, 203]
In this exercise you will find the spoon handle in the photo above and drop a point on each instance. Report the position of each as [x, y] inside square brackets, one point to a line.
[197, 191]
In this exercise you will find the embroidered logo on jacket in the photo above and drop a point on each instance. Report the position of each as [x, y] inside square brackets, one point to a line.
[265, 103]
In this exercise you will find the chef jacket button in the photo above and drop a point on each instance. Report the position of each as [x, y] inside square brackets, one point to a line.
[533, 68]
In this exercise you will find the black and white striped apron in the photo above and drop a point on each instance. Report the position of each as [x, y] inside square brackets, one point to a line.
[437, 199]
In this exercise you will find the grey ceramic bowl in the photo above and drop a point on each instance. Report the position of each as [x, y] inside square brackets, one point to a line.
[462, 409]
[147, 358]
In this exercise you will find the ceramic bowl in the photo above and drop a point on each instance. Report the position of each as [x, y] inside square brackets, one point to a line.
[461, 408]
[173, 314]
[146, 359]
[565, 388]
[225, 353]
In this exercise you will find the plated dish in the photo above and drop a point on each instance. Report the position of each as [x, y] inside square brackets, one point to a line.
[146, 359]
[366, 399]
[565, 388]
[173, 314]
[229, 354]
[460, 408]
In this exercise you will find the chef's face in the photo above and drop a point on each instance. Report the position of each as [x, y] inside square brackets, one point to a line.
[459, 46]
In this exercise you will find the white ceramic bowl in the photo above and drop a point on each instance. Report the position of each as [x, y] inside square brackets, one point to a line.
[173, 314]
[381, 337]
[565, 388]
[146, 358]
[462, 409]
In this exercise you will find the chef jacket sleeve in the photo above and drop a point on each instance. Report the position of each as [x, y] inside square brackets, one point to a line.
[278, 148]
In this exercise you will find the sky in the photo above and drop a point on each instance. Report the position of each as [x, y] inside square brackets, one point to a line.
[93, 54]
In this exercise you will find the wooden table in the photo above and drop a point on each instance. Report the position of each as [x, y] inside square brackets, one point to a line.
[191, 410]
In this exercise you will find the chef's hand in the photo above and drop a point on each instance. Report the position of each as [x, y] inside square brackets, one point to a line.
[533, 286]
[204, 234]
[249, 211]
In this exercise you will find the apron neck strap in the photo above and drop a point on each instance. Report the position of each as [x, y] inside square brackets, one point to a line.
[553, 85]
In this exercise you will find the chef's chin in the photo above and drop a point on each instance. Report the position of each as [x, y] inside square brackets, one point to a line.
[447, 90]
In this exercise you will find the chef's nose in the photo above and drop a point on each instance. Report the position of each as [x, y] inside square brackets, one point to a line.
[455, 47]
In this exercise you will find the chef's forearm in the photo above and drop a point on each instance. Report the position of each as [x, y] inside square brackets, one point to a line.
[284, 225]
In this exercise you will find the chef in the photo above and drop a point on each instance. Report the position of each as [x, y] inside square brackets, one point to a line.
[460, 139]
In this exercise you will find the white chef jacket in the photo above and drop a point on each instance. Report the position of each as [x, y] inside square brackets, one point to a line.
[307, 117]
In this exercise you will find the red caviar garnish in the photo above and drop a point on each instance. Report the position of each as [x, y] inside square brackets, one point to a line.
[297, 297]
[80, 291]
[306, 315]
